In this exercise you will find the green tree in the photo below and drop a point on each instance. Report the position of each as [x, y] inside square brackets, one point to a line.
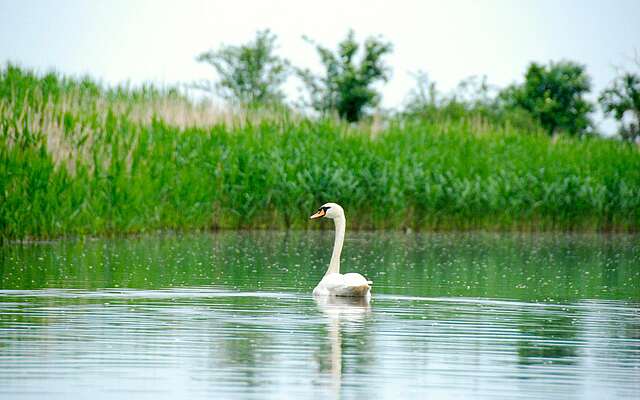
[249, 74]
[622, 99]
[346, 87]
[554, 95]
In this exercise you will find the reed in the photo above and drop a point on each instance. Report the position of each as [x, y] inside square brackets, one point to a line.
[77, 158]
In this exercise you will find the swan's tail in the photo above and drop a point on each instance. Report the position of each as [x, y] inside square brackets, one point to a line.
[360, 290]
[354, 285]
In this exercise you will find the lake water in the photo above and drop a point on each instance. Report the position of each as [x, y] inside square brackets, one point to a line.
[230, 315]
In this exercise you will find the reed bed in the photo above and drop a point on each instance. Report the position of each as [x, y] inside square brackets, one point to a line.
[80, 159]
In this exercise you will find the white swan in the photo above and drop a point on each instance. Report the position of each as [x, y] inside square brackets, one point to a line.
[334, 283]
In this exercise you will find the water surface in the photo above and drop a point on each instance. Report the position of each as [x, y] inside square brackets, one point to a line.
[230, 315]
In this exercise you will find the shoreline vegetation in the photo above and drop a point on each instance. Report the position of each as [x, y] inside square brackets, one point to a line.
[77, 158]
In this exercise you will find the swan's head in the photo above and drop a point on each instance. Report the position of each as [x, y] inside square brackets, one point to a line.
[329, 210]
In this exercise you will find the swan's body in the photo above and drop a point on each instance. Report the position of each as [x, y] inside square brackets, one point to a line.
[352, 284]
[334, 283]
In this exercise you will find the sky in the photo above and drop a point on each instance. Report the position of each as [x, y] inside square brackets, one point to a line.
[140, 41]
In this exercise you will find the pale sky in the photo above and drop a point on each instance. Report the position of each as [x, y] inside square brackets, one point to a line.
[139, 41]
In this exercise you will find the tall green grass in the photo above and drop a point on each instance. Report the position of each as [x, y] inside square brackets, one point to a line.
[76, 158]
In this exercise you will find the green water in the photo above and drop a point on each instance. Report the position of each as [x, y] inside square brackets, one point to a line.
[230, 315]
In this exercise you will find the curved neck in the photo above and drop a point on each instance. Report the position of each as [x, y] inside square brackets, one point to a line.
[334, 265]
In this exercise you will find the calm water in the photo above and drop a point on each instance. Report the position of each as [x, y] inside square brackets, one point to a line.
[230, 315]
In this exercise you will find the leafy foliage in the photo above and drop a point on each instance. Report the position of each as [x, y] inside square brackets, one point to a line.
[554, 95]
[474, 101]
[81, 163]
[347, 85]
[249, 74]
[622, 99]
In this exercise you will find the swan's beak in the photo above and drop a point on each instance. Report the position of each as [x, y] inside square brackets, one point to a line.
[318, 214]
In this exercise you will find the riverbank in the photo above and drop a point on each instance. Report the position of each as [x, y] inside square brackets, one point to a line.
[76, 159]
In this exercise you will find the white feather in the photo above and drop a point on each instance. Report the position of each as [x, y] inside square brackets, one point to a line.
[334, 283]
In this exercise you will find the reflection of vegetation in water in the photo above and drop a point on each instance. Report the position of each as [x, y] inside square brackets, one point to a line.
[540, 268]
[243, 300]
[543, 267]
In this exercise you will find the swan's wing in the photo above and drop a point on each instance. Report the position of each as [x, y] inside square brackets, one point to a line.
[355, 279]
[332, 282]
[354, 285]
[343, 285]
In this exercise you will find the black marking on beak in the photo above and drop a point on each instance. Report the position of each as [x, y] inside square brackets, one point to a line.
[322, 211]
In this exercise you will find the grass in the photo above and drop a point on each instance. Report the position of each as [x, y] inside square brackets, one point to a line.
[80, 159]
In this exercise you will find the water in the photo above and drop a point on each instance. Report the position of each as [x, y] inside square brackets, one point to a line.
[230, 315]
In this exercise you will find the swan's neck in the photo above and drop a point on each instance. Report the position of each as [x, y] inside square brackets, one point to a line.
[334, 265]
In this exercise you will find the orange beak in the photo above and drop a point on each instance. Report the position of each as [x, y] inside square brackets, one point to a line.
[318, 214]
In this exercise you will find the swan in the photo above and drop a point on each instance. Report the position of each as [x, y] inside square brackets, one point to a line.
[334, 283]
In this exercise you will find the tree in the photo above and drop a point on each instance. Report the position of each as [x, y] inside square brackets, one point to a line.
[554, 96]
[622, 99]
[347, 85]
[249, 74]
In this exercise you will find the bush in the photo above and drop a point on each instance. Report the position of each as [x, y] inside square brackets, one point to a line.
[554, 95]
[473, 101]
[622, 99]
[347, 85]
[250, 74]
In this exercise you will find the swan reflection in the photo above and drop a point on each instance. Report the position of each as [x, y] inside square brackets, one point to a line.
[342, 313]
